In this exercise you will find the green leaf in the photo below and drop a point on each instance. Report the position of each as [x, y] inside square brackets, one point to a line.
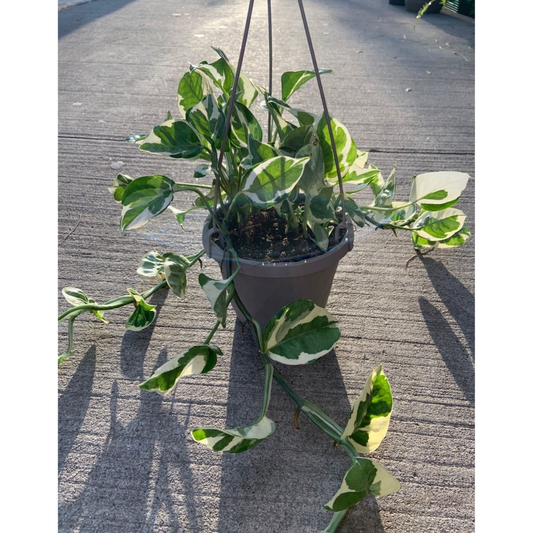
[346, 148]
[292, 81]
[243, 124]
[371, 414]
[385, 195]
[119, 186]
[321, 207]
[222, 73]
[320, 234]
[174, 138]
[439, 225]
[194, 86]
[207, 118]
[242, 438]
[457, 239]
[175, 269]
[218, 293]
[313, 179]
[235, 440]
[270, 182]
[75, 296]
[196, 360]
[151, 264]
[145, 198]
[202, 170]
[355, 212]
[304, 118]
[300, 333]
[434, 191]
[143, 315]
[296, 139]
[259, 151]
[364, 477]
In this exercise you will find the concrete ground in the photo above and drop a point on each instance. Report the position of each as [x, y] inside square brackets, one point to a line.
[126, 460]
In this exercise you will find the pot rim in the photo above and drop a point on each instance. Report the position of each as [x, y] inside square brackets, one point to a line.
[280, 269]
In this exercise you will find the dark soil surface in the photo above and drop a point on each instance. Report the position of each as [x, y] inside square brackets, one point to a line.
[264, 237]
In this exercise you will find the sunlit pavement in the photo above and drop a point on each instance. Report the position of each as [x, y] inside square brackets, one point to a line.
[126, 459]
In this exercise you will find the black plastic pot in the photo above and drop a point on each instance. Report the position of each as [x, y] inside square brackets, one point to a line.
[414, 6]
[397, 2]
[265, 288]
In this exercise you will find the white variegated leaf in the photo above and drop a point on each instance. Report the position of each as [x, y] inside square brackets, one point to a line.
[175, 270]
[364, 477]
[235, 440]
[300, 333]
[345, 145]
[434, 191]
[270, 182]
[143, 315]
[145, 198]
[151, 264]
[370, 417]
[194, 86]
[217, 292]
[196, 360]
[439, 225]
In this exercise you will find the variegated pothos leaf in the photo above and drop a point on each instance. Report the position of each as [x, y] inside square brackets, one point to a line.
[235, 440]
[434, 191]
[439, 225]
[145, 198]
[300, 333]
[143, 315]
[364, 477]
[196, 360]
[370, 417]
[270, 182]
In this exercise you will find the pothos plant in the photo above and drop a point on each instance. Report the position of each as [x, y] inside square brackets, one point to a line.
[290, 172]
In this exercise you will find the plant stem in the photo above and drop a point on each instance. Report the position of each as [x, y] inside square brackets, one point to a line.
[335, 521]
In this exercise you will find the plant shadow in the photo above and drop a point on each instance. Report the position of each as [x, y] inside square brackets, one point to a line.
[130, 487]
[460, 304]
[78, 393]
[282, 484]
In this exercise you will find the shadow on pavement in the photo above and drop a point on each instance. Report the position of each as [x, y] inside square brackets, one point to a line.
[78, 393]
[282, 484]
[75, 17]
[460, 304]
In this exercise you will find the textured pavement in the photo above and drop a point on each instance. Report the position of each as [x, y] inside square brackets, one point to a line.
[127, 463]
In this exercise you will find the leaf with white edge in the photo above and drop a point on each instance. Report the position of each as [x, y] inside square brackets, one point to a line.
[217, 293]
[175, 269]
[385, 195]
[151, 264]
[346, 148]
[145, 198]
[457, 239]
[207, 118]
[296, 139]
[270, 182]
[320, 234]
[313, 179]
[259, 151]
[196, 360]
[143, 315]
[194, 86]
[76, 296]
[434, 191]
[202, 170]
[243, 124]
[300, 333]
[291, 81]
[364, 477]
[174, 138]
[304, 118]
[321, 206]
[439, 225]
[119, 186]
[359, 175]
[235, 440]
[371, 414]
[354, 212]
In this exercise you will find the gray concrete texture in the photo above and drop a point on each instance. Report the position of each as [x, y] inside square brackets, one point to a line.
[126, 460]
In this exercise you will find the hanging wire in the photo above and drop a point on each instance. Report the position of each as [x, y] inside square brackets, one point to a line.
[270, 62]
[231, 105]
[325, 106]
